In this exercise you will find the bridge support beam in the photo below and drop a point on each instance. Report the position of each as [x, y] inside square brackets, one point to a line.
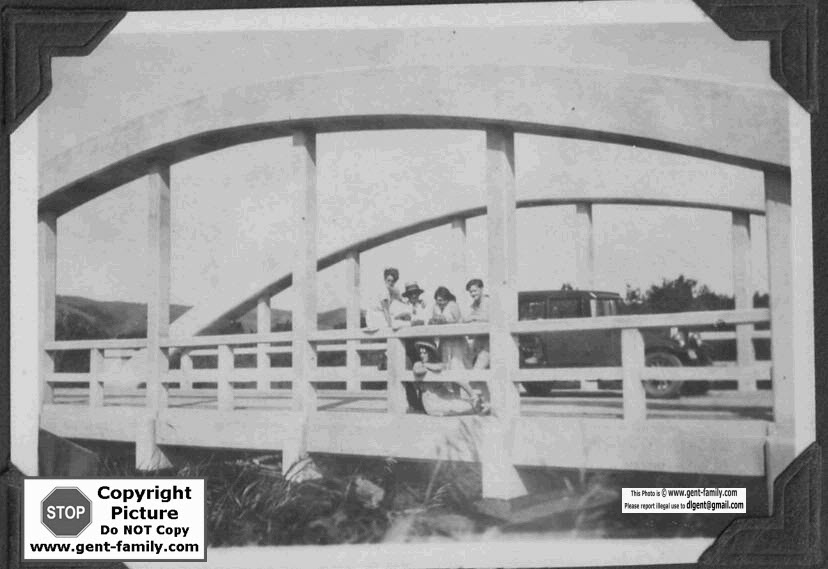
[148, 455]
[303, 187]
[263, 325]
[47, 283]
[781, 449]
[584, 248]
[743, 294]
[500, 478]
[352, 319]
[459, 260]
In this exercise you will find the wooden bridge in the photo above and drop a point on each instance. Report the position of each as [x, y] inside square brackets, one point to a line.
[249, 407]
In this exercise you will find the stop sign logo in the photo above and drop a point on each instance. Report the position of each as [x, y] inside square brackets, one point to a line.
[66, 512]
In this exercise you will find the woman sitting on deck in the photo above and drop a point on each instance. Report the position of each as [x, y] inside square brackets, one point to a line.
[447, 397]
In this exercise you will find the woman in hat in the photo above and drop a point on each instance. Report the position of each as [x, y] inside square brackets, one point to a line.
[443, 398]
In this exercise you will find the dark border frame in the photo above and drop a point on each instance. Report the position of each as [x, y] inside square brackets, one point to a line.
[33, 31]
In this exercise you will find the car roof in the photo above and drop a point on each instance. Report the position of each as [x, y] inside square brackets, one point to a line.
[563, 294]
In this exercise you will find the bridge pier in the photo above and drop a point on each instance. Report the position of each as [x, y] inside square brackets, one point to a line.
[148, 455]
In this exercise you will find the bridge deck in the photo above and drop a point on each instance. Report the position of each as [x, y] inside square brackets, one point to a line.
[721, 405]
[718, 433]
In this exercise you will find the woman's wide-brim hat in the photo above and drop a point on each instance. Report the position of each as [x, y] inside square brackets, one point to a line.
[427, 345]
[412, 288]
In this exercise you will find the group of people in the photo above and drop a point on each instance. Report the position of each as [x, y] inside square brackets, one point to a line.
[395, 309]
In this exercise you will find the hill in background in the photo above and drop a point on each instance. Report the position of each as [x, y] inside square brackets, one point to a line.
[79, 318]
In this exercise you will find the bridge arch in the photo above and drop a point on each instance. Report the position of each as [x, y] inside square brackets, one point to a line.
[735, 125]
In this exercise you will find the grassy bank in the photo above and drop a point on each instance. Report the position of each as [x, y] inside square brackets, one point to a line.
[347, 499]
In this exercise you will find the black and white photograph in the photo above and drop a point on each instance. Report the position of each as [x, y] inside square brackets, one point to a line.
[420, 286]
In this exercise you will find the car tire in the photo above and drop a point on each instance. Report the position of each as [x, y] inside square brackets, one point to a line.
[656, 389]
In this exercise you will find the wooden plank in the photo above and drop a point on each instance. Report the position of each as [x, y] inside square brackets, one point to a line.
[136, 343]
[343, 374]
[99, 423]
[725, 373]
[353, 312]
[47, 297]
[632, 359]
[706, 447]
[239, 429]
[584, 247]
[569, 374]
[226, 371]
[701, 318]
[229, 339]
[397, 403]
[458, 248]
[263, 325]
[239, 375]
[780, 284]
[437, 331]
[96, 392]
[58, 378]
[722, 336]
[158, 279]
[743, 293]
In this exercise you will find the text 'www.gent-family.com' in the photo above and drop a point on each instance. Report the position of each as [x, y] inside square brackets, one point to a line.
[123, 519]
[683, 500]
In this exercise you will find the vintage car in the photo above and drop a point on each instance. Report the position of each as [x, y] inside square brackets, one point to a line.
[601, 348]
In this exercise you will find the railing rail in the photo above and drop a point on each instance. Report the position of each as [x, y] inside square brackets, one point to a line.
[226, 375]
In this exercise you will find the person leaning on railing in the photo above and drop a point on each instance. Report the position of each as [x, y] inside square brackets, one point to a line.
[478, 312]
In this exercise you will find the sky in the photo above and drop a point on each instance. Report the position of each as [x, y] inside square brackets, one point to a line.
[231, 218]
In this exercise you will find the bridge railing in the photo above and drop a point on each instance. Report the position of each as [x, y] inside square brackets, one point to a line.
[227, 377]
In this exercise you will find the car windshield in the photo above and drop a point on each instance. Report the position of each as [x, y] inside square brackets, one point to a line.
[565, 308]
[531, 310]
[606, 307]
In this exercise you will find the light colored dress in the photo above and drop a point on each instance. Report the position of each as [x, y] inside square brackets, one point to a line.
[454, 351]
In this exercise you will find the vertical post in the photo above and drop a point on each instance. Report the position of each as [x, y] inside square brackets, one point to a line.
[585, 260]
[225, 380]
[743, 294]
[263, 324]
[352, 319]
[148, 456]
[781, 449]
[502, 231]
[158, 268]
[303, 187]
[633, 361]
[47, 282]
[584, 248]
[96, 394]
[397, 403]
[501, 479]
[459, 259]
[186, 368]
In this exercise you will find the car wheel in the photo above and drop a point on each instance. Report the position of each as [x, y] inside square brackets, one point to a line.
[538, 388]
[657, 389]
